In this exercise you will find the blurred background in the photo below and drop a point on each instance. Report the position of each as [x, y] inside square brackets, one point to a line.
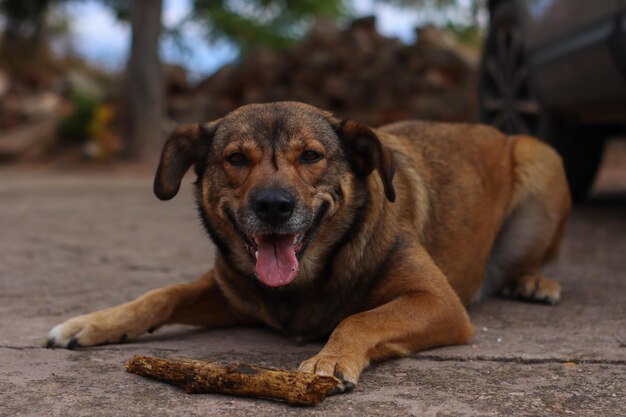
[90, 89]
[98, 84]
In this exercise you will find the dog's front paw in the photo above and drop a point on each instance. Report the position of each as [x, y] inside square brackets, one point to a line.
[92, 329]
[344, 368]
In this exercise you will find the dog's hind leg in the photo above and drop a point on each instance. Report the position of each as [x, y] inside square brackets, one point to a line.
[532, 232]
[199, 303]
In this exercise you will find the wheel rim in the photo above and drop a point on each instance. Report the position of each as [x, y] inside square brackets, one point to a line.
[506, 100]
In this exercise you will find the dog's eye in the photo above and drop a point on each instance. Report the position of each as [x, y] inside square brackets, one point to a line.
[310, 157]
[237, 159]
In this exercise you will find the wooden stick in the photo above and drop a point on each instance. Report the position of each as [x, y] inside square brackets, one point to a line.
[195, 376]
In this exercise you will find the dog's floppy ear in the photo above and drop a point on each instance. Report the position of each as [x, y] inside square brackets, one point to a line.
[365, 153]
[187, 145]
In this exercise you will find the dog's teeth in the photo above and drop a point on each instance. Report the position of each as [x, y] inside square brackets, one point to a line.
[256, 254]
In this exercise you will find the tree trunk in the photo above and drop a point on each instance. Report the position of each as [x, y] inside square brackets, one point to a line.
[144, 79]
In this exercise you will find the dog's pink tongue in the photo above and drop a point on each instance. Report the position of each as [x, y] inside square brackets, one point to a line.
[276, 262]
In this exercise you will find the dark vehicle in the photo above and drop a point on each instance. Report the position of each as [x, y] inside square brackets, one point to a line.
[557, 69]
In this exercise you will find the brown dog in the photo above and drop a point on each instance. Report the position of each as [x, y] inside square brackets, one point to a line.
[311, 241]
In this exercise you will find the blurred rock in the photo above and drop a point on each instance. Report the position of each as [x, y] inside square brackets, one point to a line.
[29, 141]
[28, 123]
[32, 106]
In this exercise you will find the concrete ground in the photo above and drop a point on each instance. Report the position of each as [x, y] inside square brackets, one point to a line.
[73, 243]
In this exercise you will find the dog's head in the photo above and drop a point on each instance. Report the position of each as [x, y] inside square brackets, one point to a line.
[271, 177]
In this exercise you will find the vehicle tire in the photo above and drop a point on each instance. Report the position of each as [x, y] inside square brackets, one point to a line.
[508, 101]
[581, 148]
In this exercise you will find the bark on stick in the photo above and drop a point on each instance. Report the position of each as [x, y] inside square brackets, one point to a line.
[195, 376]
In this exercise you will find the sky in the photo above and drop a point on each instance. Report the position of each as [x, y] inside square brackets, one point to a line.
[104, 41]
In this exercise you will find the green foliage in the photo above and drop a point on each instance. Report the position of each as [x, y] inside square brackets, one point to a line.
[269, 23]
[422, 3]
[24, 18]
[460, 18]
[470, 35]
[75, 127]
[24, 10]
[121, 8]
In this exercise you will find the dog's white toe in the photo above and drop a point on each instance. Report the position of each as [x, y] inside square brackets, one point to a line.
[58, 337]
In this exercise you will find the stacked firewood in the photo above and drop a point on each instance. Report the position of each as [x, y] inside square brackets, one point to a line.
[356, 73]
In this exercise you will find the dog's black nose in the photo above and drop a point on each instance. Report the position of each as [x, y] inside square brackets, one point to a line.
[273, 205]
